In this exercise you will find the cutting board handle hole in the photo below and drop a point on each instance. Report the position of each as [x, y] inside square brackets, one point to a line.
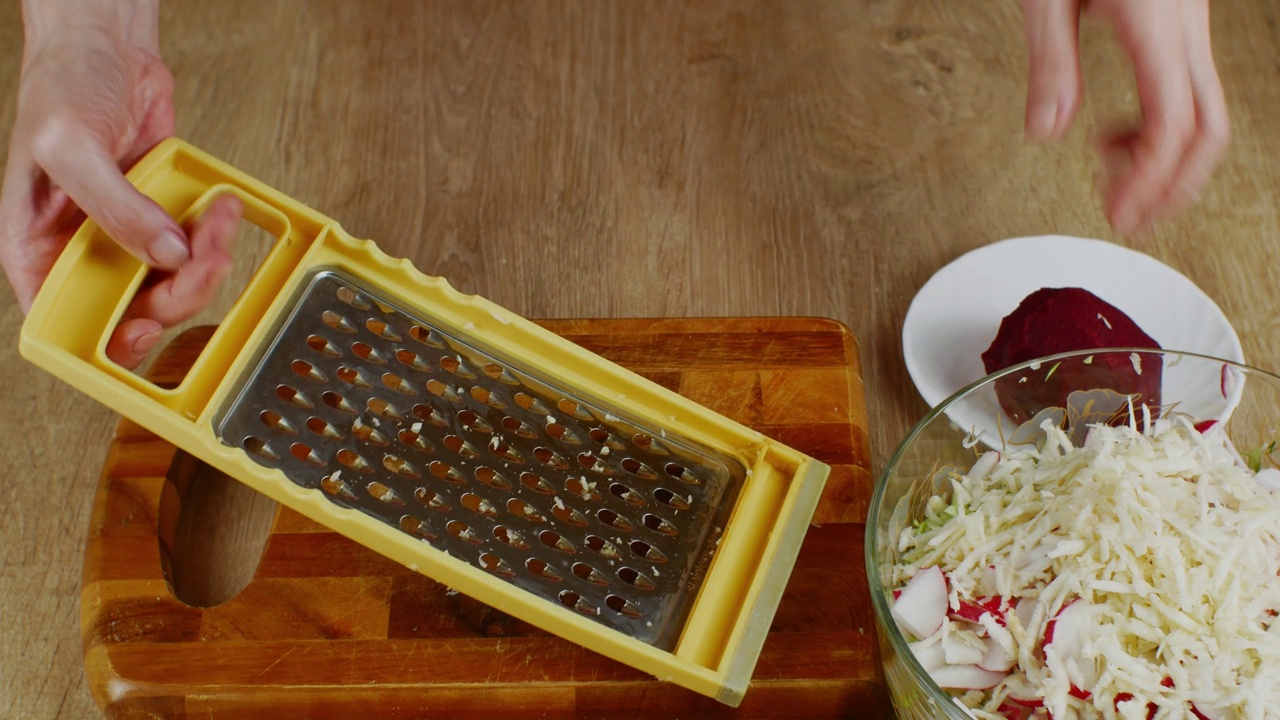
[219, 527]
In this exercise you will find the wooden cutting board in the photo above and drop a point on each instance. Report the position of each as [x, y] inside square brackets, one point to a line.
[327, 628]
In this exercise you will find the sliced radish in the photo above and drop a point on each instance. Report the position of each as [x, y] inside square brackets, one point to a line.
[1209, 712]
[1076, 692]
[1031, 702]
[1013, 711]
[973, 610]
[929, 653]
[983, 466]
[1126, 697]
[1023, 610]
[1064, 639]
[997, 658]
[1205, 426]
[921, 608]
[965, 677]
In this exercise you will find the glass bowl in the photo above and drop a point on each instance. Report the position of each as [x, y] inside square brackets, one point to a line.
[953, 435]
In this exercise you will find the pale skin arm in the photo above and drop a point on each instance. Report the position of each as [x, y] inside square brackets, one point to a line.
[94, 97]
[1162, 164]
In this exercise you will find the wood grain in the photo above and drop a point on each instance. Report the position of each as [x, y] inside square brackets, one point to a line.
[320, 613]
[602, 158]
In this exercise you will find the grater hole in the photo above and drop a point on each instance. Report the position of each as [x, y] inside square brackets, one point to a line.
[602, 546]
[496, 565]
[582, 488]
[492, 478]
[337, 402]
[542, 570]
[682, 474]
[639, 469]
[635, 578]
[399, 466]
[520, 508]
[471, 421]
[323, 429]
[259, 447]
[646, 442]
[515, 425]
[439, 389]
[488, 398]
[647, 551]
[536, 483]
[276, 421]
[351, 376]
[415, 527]
[619, 604]
[659, 524]
[460, 446]
[531, 403]
[323, 346]
[414, 440]
[552, 539]
[426, 337]
[304, 369]
[381, 492]
[590, 574]
[303, 452]
[368, 353]
[510, 537]
[431, 499]
[463, 532]
[446, 472]
[479, 505]
[569, 407]
[570, 599]
[335, 485]
[397, 383]
[613, 519]
[430, 415]
[378, 406]
[293, 396]
[563, 434]
[367, 433]
[502, 449]
[568, 514]
[382, 330]
[593, 464]
[501, 374]
[353, 460]
[626, 494]
[670, 499]
[337, 322]
[350, 297]
[549, 457]
[453, 364]
[411, 359]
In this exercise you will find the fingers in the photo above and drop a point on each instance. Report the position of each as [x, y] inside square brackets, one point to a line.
[188, 290]
[90, 176]
[181, 294]
[1212, 125]
[17, 211]
[1053, 78]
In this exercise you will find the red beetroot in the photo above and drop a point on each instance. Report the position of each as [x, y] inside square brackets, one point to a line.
[1057, 320]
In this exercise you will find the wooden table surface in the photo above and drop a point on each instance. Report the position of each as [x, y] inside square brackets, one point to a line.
[633, 159]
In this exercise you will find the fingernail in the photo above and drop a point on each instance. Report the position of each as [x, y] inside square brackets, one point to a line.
[169, 250]
[145, 342]
[1042, 120]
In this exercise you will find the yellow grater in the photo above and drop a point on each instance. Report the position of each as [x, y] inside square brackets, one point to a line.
[455, 437]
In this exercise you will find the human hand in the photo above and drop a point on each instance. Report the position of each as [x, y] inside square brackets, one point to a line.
[1161, 165]
[93, 98]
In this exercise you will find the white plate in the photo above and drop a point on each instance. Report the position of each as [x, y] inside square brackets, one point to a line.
[955, 316]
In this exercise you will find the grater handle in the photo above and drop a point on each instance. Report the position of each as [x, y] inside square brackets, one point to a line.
[91, 285]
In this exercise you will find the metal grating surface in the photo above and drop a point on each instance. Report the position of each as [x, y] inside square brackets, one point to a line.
[385, 411]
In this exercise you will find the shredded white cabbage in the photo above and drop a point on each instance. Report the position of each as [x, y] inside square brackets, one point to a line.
[1171, 540]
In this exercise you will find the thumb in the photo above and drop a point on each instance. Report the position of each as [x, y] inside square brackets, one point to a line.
[90, 177]
[1053, 79]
